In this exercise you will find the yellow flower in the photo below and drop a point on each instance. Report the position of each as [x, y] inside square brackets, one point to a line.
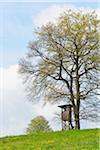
[50, 141]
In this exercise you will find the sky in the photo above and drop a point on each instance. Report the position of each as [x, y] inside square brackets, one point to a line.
[17, 23]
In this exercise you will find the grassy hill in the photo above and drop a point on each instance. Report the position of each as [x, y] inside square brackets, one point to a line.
[61, 140]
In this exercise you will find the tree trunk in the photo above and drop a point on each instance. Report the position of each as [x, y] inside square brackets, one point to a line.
[77, 105]
[76, 116]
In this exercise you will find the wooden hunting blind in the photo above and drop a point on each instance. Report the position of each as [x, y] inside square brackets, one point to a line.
[66, 116]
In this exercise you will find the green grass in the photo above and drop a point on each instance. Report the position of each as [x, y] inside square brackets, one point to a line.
[61, 140]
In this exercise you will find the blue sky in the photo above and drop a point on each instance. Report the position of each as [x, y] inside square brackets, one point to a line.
[17, 23]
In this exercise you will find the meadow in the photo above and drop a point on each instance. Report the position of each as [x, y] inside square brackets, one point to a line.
[61, 140]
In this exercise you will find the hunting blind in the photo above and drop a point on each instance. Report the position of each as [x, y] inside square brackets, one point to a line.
[66, 116]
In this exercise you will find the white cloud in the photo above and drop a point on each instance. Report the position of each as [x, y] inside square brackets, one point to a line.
[16, 112]
[50, 14]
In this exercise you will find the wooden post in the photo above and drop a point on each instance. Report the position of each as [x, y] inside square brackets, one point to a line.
[62, 119]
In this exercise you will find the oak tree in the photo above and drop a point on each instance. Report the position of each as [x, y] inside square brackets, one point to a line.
[63, 63]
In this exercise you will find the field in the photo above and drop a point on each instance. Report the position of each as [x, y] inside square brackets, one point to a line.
[61, 140]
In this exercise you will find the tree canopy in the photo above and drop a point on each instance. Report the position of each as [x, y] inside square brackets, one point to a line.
[63, 63]
[38, 124]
